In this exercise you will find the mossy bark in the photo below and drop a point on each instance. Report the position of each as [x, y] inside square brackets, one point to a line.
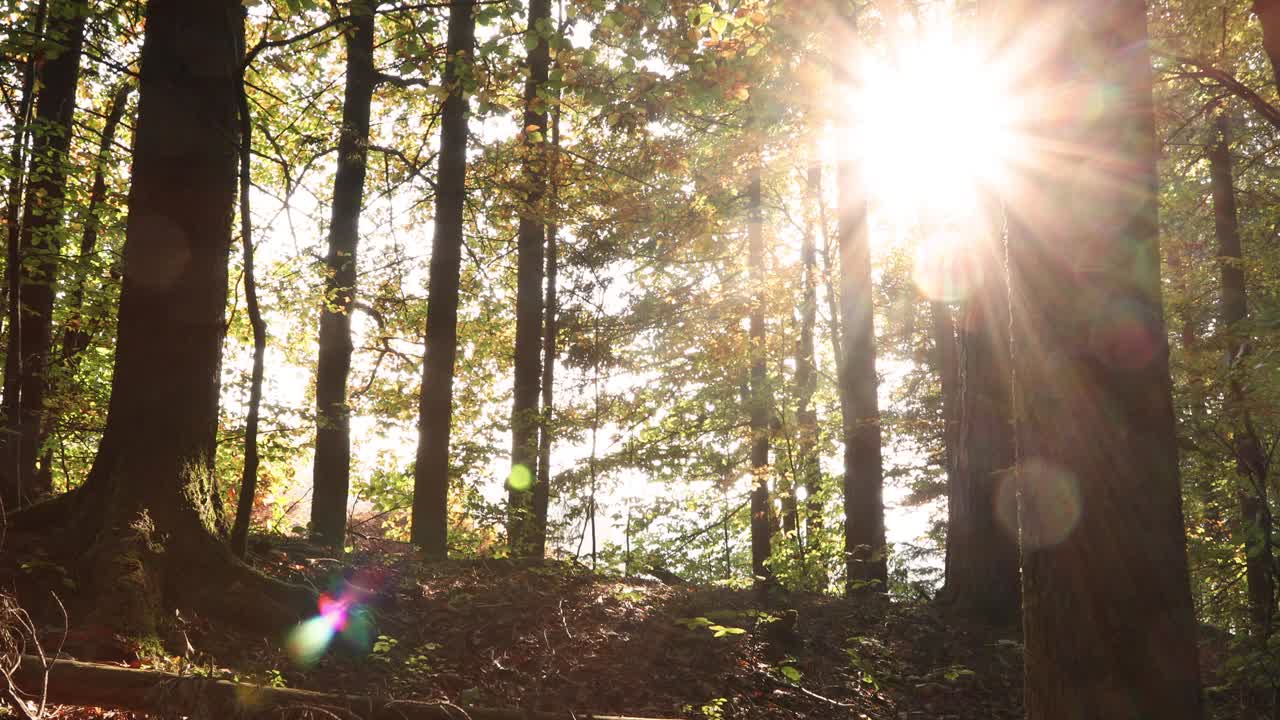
[146, 524]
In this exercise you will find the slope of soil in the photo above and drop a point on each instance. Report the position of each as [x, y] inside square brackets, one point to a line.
[555, 636]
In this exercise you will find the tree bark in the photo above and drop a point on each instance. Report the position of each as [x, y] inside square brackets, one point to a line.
[530, 262]
[1268, 12]
[435, 410]
[11, 489]
[865, 551]
[166, 694]
[146, 512]
[542, 487]
[760, 402]
[1252, 462]
[249, 471]
[806, 379]
[332, 470]
[947, 363]
[982, 561]
[1109, 627]
[40, 242]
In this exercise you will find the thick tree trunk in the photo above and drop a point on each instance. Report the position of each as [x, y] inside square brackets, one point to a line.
[865, 550]
[146, 511]
[529, 269]
[1109, 627]
[41, 240]
[1252, 462]
[332, 469]
[982, 561]
[759, 397]
[1268, 12]
[435, 410]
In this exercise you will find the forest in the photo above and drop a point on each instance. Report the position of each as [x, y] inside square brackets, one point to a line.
[640, 359]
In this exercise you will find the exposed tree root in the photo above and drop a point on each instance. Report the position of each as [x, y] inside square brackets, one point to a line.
[44, 514]
[133, 569]
[147, 691]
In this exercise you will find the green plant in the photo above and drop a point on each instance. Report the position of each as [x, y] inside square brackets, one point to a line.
[716, 629]
[859, 664]
[711, 710]
[382, 647]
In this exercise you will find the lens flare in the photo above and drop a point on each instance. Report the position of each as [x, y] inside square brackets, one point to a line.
[946, 268]
[308, 641]
[1051, 504]
[342, 616]
[520, 480]
[1122, 334]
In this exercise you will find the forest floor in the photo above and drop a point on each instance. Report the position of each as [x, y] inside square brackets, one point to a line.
[555, 636]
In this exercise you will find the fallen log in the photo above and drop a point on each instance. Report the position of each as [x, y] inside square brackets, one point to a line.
[149, 691]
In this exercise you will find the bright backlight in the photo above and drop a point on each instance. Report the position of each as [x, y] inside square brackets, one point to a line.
[934, 125]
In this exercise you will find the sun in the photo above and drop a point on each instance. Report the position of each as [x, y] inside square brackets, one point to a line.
[934, 123]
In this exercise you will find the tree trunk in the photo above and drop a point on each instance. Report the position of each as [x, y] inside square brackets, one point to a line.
[542, 488]
[759, 398]
[41, 240]
[11, 488]
[982, 560]
[947, 365]
[169, 695]
[76, 336]
[865, 551]
[332, 469]
[249, 472]
[435, 410]
[1109, 627]
[809, 467]
[1268, 12]
[1252, 462]
[146, 510]
[529, 271]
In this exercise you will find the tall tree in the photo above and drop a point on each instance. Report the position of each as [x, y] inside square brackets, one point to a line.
[76, 334]
[809, 468]
[946, 362]
[435, 410]
[1252, 461]
[542, 487]
[760, 403]
[249, 470]
[531, 238]
[146, 512]
[982, 547]
[41, 242]
[1109, 627]
[11, 489]
[864, 535]
[1268, 12]
[332, 470]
